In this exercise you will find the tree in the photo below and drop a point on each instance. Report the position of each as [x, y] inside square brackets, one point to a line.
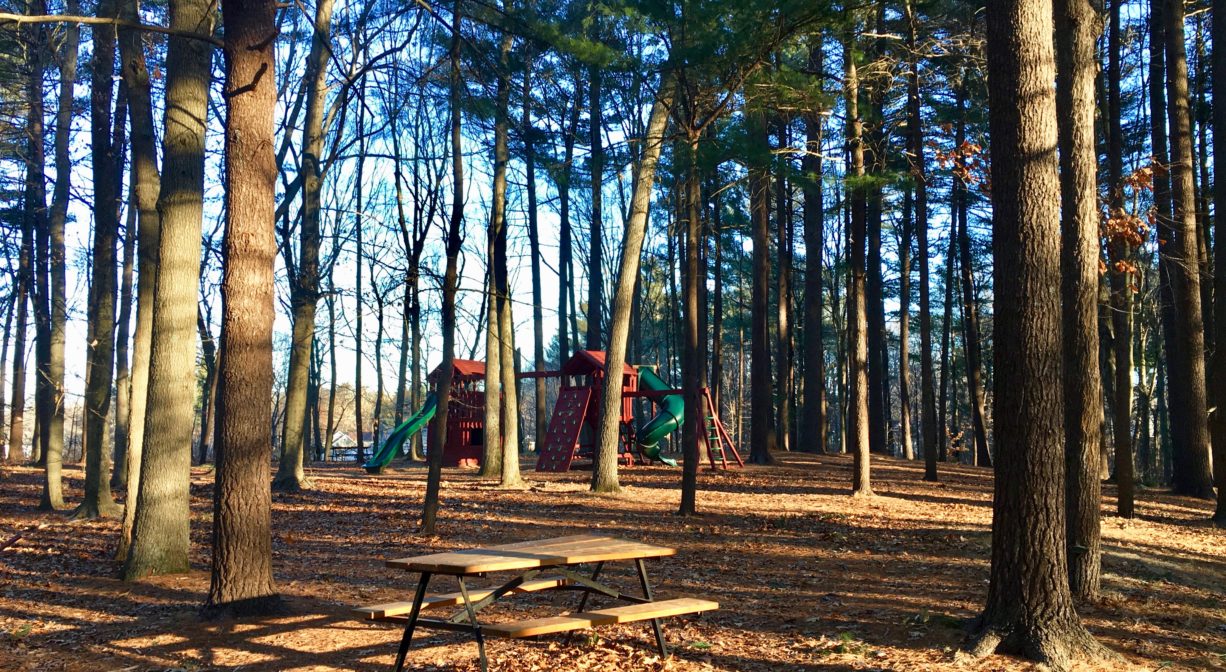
[101, 346]
[1037, 621]
[813, 423]
[438, 430]
[1076, 33]
[241, 580]
[146, 184]
[930, 425]
[1119, 254]
[1192, 475]
[160, 534]
[857, 315]
[609, 430]
[305, 293]
[1219, 261]
[52, 300]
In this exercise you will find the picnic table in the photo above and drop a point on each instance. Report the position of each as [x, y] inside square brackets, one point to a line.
[543, 564]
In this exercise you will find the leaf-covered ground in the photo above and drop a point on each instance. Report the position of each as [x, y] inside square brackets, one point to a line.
[808, 578]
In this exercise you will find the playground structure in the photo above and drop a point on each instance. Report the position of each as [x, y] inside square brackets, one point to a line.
[571, 433]
[465, 420]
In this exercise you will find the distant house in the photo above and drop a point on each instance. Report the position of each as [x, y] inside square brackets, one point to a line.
[343, 440]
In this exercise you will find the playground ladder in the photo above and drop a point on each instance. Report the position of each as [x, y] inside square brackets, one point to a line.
[562, 437]
[717, 438]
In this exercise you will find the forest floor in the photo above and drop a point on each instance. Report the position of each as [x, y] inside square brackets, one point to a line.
[807, 577]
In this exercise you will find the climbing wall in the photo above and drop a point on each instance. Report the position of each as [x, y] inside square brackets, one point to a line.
[562, 438]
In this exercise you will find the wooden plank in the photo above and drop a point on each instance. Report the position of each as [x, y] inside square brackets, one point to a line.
[649, 610]
[389, 610]
[624, 614]
[536, 626]
[529, 555]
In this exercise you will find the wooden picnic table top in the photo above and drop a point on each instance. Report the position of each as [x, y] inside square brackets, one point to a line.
[559, 551]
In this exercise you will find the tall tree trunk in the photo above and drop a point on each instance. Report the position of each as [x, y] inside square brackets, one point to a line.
[762, 429]
[1192, 476]
[1218, 424]
[52, 299]
[813, 423]
[970, 326]
[241, 581]
[946, 426]
[595, 272]
[160, 534]
[604, 479]
[904, 329]
[146, 185]
[566, 269]
[508, 403]
[438, 430]
[1077, 31]
[6, 453]
[100, 357]
[783, 347]
[878, 367]
[208, 401]
[857, 311]
[123, 335]
[930, 426]
[24, 281]
[1120, 254]
[534, 248]
[692, 363]
[359, 185]
[1028, 546]
[304, 295]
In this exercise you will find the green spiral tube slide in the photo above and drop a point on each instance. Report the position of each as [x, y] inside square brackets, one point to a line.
[667, 421]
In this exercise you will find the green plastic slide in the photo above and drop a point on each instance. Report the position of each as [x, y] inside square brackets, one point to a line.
[667, 421]
[391, 447]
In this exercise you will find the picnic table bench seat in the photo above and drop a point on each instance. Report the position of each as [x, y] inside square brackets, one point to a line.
[396, 611]
[589, 619]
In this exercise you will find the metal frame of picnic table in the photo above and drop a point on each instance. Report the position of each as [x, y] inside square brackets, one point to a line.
[465, 620]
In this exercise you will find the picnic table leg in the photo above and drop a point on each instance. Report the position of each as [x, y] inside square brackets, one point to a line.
[655, 622]
[472, 619]
[587, 594]
[408, 628]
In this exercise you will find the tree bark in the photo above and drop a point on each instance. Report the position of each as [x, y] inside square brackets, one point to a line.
[1192, 476]
[304, 295]
[786, 369]
[1029, 606]
[534, 248]
[1077, 27]
[438, 430]
[146, 185]
[51, 298]
[241, 580]
[123, 335]
[813, 424]
[970, 320]
[160, 533]
[24, 282]
[858, 404]
[930, 426]
[904, 329]
[609, 429]
[1218, 418]
[1119, 253]
[100, 357]
[762, 429]
[595, 272]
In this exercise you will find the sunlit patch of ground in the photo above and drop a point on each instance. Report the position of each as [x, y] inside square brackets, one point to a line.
[808, 578]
